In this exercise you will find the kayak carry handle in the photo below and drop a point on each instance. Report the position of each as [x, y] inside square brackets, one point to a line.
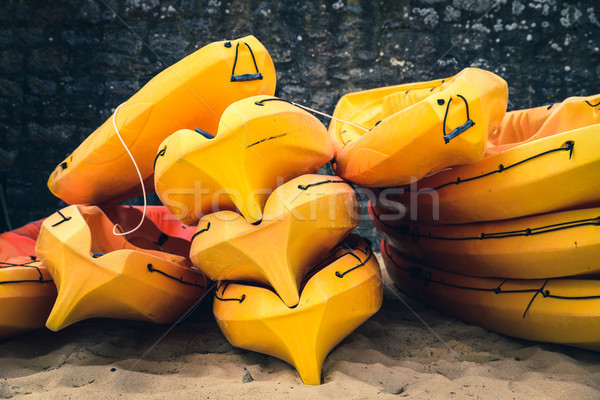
[245, 77]
[448, 137]
[204, 133]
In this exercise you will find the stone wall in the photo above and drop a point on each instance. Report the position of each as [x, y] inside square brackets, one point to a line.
[65, 64]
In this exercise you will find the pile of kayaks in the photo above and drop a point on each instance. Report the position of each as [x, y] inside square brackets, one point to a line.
[486, 215]
[235, 169]
[510, 242]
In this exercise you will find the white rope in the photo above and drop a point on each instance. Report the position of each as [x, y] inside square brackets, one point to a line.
[114, 121]
[329, 116]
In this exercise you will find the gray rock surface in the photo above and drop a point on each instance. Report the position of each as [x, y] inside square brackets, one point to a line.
[65, 64]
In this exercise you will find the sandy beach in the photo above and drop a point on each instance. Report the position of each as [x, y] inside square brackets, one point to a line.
[405, 351]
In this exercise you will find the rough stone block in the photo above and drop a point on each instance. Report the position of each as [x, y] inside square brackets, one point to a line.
[10, 88]
[26, 37]
[41, 87]
[6, 38]
[47, 60]
[11, 62]
[52, 133]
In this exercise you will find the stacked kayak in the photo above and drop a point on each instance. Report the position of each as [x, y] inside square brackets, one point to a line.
[299, 214]
[91, 266]
[511, 242]
[193, 93]
[561, 310]
[27, 290]
[338, 295]
[542, 246]
[261, 143]
[536, 164]
[414, 130]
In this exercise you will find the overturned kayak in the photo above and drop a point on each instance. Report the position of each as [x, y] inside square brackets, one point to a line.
[543, 246]
[563, 311]
[555, 166]
[341, 293]
[416, 129]
[27, 291]
[191, 93]
[92, 266]
[303, 220]
[262, 142]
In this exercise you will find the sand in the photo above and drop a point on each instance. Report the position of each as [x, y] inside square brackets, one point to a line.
[405, 351]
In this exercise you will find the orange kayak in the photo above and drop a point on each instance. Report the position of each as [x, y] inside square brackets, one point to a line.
[193, 93]
[416, 129]
[102, 275]
[303, 220]
[262, 142]
[540, 161]
[564, 311]
[337, 296]
[27, 290]
[553, 245]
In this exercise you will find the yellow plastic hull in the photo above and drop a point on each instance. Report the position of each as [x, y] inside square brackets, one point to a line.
[27, 294]
[556, 169]
[416, 129]
[27, 291]
[544, 246]
[343, 292]
[101, 275]
[262, 142]
[303, 220]
[563, 311]
[191, 93]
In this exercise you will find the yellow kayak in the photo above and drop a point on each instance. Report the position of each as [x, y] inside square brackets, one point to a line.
[262, 142]
[27, 291]
[416, 129]
[102, 275]
[543, 246]
[27, 294]
[191, 93]
[563, 311]
[342, 292]
[303, 220]
[555, 166]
